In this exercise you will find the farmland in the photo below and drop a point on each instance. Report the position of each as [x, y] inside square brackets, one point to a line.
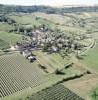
[7, 39]
[54, 58]
[92, 56]
[5, 27]
[57, 92]
[10, 80]
[25, 19]
[13, 66]
[51, 61]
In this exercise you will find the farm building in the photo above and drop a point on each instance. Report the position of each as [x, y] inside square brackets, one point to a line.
[32, 58]
[12, 47]
[26, 53]
[54, 48]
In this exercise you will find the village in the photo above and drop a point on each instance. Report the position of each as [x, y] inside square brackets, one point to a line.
[49, 41]
[48, 53]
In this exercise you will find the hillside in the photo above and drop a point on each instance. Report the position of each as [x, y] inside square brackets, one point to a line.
[48, 53]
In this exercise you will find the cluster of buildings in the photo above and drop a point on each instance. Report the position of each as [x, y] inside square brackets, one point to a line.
[41, 38]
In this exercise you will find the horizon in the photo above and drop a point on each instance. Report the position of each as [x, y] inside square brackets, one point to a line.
[50, 2]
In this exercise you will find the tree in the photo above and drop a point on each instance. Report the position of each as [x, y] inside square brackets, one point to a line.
[57, 71]
[94, 95]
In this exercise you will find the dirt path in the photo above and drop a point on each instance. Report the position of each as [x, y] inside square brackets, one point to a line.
[91, 45]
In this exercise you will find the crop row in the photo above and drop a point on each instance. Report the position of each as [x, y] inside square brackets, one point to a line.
[57, 92]
[17, 74]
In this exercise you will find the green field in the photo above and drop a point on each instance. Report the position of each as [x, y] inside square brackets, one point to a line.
[51, 61]
[7, 39]
[53, 21]
[30, 20]
[56, 92]
[91, 58]
[22, 80]
[60, 21]
[5, 27]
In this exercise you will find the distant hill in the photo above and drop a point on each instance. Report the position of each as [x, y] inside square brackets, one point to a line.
[46, 9]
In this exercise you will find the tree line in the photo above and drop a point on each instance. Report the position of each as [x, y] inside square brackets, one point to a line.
[46, 9]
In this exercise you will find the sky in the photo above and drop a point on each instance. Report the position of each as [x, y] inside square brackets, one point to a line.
[49, 2]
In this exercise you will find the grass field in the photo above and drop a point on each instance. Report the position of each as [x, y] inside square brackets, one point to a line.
[83, 86]
[91, 58]
[6, 39]
[29, 19]
[59, 21]
[53, 21]
[5, 27]
[51, 61]
[53, 17]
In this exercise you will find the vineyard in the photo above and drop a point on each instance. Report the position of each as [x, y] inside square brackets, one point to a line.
[48, 53]
[17, 74]
[57, 92]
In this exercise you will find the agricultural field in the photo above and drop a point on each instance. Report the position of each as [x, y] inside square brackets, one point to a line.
[71, 21]
[51, 61]
[90, 59]
[57, 92]
[89, 82]
[5, 27]
[28, 20]
[67, 70]
[49, 20]
[14, 78]
[83, 86]
[7, 39]
[30, 75]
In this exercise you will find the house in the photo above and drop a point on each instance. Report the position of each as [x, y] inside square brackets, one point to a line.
[38, 31]
[12, 48]
[26, 53]
[32, 58]
[54, 48]
[60, 45]
[18, 46]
